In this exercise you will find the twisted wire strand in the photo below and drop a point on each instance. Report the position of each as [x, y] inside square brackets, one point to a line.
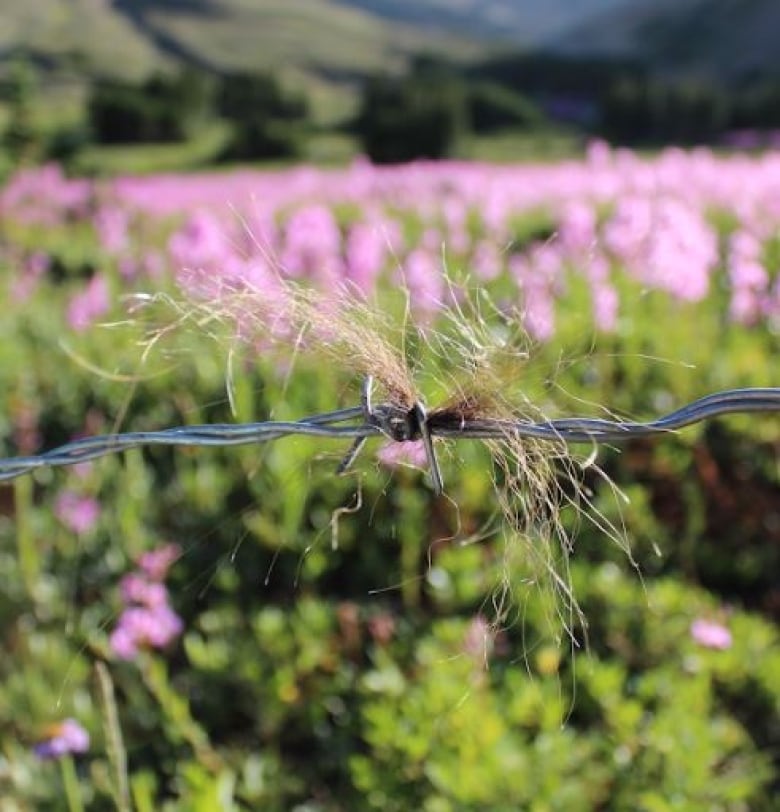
[383, 420]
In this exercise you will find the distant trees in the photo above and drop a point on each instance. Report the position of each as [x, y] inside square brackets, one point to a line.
[22, 139]
[492, 106]
[758, 105]
[267, 120]
[424, 113]
[162, 108]
[649, 111]
[402, 118]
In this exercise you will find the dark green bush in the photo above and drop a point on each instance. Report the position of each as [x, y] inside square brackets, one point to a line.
[492, 106]
[23, 138]
[242, 96]
[650, 111]
[163, 108]
[419, 116]
[267, 120]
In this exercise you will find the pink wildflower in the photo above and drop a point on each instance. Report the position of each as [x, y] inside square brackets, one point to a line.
[423, 278]
[63, 738]
[148, 621]
[410, 453]
[486, 261]
[134, 588]
[605, 307]
[92, 303]
[365, 254]
[156, 563]
[78, 513]
[710, 634]
[111, 224]
[140, 627]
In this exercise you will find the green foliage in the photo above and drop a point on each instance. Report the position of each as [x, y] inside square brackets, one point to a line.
[243, 95]
[492, 107]
[267, 120]
[417, 116]
[366, 669]
[757, 106]
[544, 74]
[162, 108]
[22, 137]
[649, 111]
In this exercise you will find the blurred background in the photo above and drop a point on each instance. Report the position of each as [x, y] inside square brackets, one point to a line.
[596, 187]
[186, 84]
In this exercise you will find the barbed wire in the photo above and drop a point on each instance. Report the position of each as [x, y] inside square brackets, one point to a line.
[401, 424]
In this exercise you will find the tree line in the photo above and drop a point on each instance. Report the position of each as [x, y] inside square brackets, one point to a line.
[422, 113]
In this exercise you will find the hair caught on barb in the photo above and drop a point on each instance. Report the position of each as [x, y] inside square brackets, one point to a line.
[477, 359]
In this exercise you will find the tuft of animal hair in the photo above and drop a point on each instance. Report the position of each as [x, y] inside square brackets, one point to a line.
[478, 359]
[294, 319]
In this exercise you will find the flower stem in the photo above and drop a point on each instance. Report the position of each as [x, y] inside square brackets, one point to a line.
[71, 783]
[29, 562]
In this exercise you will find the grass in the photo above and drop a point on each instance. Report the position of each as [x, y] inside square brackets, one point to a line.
[305, 678]
[322, 149]
[519, 145]
[147, 158]
[238, 34]
[73, 31]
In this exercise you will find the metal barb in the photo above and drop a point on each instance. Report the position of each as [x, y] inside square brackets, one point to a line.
[358, 443]
[402, 424]
[425, 434]
[398, 424]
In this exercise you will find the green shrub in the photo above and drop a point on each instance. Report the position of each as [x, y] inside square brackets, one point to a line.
[493, 107]
[401, 119]
[163, 108]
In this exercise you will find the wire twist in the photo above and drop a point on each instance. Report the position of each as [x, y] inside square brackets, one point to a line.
[401, 424]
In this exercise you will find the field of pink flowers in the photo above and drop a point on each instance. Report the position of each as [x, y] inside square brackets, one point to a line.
[692, 225]
[253, 666]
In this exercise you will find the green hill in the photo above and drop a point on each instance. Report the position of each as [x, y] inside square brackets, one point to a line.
[338, 39]
[128, 38]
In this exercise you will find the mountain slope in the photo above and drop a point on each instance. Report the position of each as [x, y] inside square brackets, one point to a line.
[130, 37]
[718, 38]
[522, 22]
[342, 38]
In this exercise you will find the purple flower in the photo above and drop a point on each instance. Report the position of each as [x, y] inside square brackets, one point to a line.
[423, 278]
[78, 513]
[63, 738]
[710, 634]
[111, 224]
[156, 563]
[577, 230]
[408, 453]
[486, 261]
[92, 303]
[201, 242]
[312, 244]
[135, 588]
[605, 307]
[147, 621]
[141, 627]
[365, 255]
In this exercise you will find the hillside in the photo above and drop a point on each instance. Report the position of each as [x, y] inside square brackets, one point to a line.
[527, 23]
[130, 37]
[724, 39]
[335, 40]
